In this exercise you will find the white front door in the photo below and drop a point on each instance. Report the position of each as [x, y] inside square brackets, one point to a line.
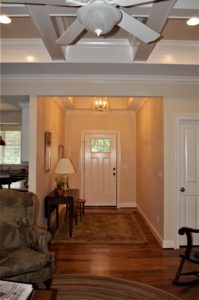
[188, 169]
[100, 169]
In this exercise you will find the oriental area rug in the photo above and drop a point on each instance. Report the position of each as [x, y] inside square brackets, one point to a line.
[88, 287]
[102, 228]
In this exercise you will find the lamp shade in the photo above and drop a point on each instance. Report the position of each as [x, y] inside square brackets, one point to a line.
[64, 166]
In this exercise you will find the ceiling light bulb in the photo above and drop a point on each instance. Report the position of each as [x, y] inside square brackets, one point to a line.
[98, 31]
[30, 58]
[4, 19]
[193, 22]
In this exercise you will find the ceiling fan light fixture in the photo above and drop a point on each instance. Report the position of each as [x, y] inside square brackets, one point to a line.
[99, 18]
[98, 31]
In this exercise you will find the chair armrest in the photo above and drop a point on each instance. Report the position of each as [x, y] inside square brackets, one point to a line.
[188, 231]
[38, 238]
[185, 230]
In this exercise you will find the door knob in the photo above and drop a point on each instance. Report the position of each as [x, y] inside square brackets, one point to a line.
[182, 189]
[114, 174]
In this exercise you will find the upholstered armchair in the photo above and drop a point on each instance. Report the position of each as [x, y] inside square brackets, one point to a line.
[24, 255]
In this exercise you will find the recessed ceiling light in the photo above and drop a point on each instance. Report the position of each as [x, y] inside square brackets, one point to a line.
[5, 19]
[168, 59]
[30, 58]
[193, 21]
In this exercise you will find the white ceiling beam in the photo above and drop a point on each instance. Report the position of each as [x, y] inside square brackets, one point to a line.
[22, 11]
[43, 23]
[157, 20]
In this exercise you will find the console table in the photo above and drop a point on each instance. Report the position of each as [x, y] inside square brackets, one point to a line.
[52, 202]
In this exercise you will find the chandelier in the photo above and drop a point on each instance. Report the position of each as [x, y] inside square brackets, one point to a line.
[100, 104]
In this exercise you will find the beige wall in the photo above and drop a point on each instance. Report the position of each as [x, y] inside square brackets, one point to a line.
[124, 122]
[50, 117]
[149, 166]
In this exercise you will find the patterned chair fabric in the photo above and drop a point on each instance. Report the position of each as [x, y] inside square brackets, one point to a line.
[24, 255]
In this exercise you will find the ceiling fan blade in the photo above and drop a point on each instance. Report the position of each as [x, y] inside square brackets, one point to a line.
[42, 2]
[71, 33]
[131, 2]
[137, 28]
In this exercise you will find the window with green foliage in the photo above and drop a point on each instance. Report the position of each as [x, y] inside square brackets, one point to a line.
[11, 153]
[101, 145]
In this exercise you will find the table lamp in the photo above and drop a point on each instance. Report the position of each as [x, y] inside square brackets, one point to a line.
[64, 168]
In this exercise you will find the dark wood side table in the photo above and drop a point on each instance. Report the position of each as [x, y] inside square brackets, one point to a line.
[52, 202]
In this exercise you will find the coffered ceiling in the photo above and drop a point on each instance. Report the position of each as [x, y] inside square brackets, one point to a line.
[31, 36]
[29, 49]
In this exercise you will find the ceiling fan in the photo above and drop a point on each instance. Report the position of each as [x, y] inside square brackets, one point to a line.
[98, 16]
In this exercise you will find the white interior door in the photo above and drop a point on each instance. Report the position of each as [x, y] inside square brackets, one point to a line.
[100, 169]
[189, 176]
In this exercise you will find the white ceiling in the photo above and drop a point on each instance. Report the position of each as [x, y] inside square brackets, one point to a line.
[118, 54]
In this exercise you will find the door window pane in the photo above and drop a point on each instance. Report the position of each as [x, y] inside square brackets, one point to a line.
[11, 153]
[101, 145]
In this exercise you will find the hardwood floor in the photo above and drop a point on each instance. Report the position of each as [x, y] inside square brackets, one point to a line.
[146, 263]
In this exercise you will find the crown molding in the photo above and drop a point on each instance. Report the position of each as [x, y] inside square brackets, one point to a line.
[98, 50]
[43, 78]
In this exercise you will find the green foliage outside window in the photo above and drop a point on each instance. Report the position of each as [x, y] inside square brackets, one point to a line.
[11, 153]
[101, 145]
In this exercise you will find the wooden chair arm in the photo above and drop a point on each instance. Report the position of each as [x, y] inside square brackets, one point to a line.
[188, 231]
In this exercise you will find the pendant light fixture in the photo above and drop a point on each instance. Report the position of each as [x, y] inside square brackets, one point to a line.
[100, 104]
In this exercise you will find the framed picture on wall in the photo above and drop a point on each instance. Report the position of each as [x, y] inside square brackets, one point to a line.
[60, 151]
[47, 151]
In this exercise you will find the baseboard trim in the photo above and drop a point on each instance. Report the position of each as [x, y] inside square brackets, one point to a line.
[127, 205]
[165, 244]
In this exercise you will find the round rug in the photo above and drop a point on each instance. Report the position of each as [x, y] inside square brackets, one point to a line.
[87, 287]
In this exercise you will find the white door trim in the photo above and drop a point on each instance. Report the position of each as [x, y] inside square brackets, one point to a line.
[118, 159]
[179, 118]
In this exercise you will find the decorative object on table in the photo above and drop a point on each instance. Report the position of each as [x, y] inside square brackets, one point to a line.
[60, 186]
[100, 104]
[63, 169]
[47, 151]
[91, 287]
[102, 228]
